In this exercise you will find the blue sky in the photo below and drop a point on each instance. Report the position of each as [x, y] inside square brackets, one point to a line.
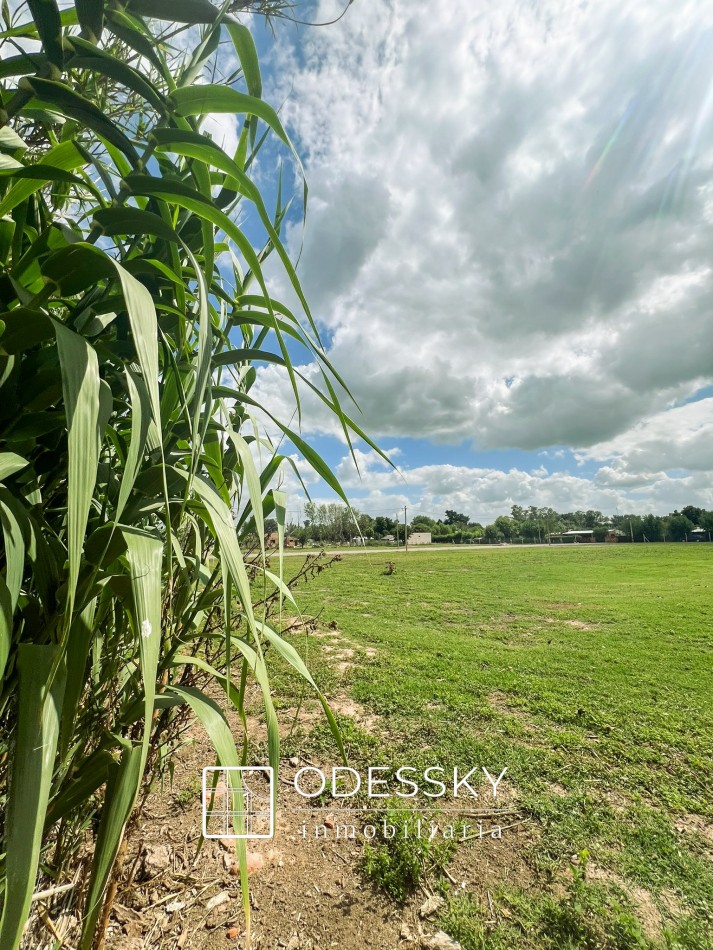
[507, 247]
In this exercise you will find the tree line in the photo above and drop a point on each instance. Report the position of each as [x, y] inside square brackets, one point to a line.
[337, 524]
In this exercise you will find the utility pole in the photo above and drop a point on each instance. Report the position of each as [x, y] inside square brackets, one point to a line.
[631, 530]
[397, 529]
[405, 530]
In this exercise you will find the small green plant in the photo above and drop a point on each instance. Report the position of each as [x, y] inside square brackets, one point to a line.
[463, 919]
[400, 857]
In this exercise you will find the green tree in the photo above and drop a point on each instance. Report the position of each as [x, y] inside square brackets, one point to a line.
[518, 513]
[507, 527]
[678, 527]
[422, 523]
[492, 534]
[652, 527]
[384, 526]
[706, 520]
[454, 518]
[693, 514]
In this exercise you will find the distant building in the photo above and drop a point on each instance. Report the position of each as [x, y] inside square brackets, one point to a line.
[614, 535]
[358, 542]
[272, 540]
[699, 534]
[575, 536]
[420, 537]
[389, 538]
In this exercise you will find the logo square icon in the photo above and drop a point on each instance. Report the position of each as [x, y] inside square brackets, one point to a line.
[238, 801]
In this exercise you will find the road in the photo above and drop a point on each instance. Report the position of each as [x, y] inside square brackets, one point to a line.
[426, 548]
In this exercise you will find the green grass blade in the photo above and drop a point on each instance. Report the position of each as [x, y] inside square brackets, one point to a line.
[145, 556]
[64, 156]
[47, 18]
[90, 14]
[244, 45]
[6, 613]
[80, 638]
[222, 523]
[70, 104]
[121, 791]
[140, 418]
[32, 768]
[80, 388]
[216, 726]
[13, 518]
[177, 11]
[280, 500]
[93, 59]
[288, 652]
[251, 476]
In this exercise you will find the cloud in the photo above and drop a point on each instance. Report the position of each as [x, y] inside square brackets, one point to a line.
[486, 493]
[680, 438]
[511, 208]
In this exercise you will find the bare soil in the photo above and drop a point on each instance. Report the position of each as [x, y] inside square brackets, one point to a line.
[306, 893]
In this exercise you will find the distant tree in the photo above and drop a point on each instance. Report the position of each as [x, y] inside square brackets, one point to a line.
[592, 518]
[492, 534]
[652, 527]
[530, 529]
[506, 526]
[366, 525]
[706, 520]
[692, 513]
[518, 513]
[384, 526]
[270, 525]
[678, 526]
[422, 523]
[453, 517]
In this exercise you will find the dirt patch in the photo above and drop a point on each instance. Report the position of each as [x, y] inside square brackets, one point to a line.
[554, 788]
[346, 706]
[501, 704]
[644, 904]
[305, 718]
[581, 625]
[695, 825]
[304, 892]
[616, 800]
[306, 889]
[648, 913]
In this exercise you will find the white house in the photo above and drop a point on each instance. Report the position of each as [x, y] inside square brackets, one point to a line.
[420, 537]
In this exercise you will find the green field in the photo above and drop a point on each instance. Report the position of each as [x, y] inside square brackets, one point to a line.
[587, 672]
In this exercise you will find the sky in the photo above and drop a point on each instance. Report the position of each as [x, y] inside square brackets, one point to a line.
[508, 249]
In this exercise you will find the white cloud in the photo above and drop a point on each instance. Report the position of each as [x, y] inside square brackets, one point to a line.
[509, 232]
[679, 438]
[485, 493]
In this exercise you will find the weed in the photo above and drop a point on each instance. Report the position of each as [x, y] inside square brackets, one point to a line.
[398, 859]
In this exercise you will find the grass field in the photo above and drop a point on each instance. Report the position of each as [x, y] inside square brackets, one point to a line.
[588, 673]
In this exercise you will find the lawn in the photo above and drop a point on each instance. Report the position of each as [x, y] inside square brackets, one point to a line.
[587, 673]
